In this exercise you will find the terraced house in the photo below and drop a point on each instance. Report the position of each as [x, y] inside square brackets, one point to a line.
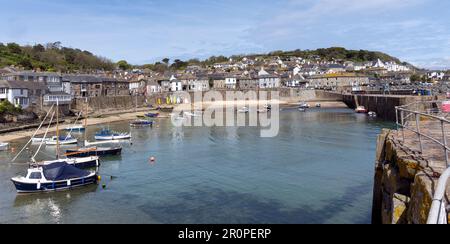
[82, 86]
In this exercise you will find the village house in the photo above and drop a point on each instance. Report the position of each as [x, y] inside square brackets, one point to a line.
[82, 86]
[15, 92]
[231, 81]
[247, 83]
[267, 80]
[435, 75]
[153, 87]
[218, 81]
[53, 81]
[345, 82]
[200, 84]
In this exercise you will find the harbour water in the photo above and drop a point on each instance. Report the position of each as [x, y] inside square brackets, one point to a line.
[318, 170]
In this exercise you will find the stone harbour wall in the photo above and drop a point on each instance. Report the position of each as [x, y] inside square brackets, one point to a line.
[404, 184]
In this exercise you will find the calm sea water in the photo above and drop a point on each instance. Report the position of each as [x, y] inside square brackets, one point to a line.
[318, 170]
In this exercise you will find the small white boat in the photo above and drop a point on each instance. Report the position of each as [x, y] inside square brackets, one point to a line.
[372, 114]
[39, 140]
[318, 105]
[189, 114]
[302, 110]
[75, 128]
[361, 110]
[108, 135]
[63, 140]
[244, 110]
[4, 146]
[304, 105]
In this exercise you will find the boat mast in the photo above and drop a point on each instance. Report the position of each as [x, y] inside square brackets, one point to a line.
[85, 120]
[57, 128]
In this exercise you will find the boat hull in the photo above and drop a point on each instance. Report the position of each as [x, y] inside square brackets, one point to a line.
[98, 152]
[68, 142]
[23, 187]
[112, 138]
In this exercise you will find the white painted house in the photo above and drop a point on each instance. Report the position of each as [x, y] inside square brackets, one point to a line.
[175, 84]
[267, 80]
[15, 92]
[231, 82]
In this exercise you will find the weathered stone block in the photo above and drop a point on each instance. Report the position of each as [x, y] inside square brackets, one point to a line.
[421, 200]
[408, 168]
[400, 207]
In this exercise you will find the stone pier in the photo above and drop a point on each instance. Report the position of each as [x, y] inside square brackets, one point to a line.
[405, 179]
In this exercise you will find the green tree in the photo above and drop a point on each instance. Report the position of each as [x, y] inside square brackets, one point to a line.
[123, 65]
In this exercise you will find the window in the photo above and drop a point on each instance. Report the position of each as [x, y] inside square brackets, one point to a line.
[21, 91]
[35, 176]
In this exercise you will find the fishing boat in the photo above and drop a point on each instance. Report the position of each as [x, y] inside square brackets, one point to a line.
[57, 176]
[109, 135]
[244, 110]
[141, 123]
[62, 140]
[93, 151]
[4, 146]
[152, 115]
[361, 110]
[75, 128]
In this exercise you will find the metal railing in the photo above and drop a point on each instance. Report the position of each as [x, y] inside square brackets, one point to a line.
[408, 118]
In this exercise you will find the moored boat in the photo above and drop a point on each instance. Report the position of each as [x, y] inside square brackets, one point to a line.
[244, 110]
[304, 105]
[62, 140]
[4, 146]
[141, 123]
[75, 128]
[93, 151]
[372, 114]
[152, 115]
[361, 110]
[108, 135]
[53, 177]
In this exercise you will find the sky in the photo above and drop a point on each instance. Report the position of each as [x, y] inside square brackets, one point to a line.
[416, 31]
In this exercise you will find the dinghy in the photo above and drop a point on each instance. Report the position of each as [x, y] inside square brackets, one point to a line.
[244, 110]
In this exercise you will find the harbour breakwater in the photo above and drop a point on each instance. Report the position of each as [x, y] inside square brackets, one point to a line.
[383, 105]
[405, 180]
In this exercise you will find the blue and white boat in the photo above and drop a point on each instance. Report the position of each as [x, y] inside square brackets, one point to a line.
[62, 140]
[109, 135]
[141, 123]
[75, 128]
[53, 177]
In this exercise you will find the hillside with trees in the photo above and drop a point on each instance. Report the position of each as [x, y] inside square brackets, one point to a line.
[51, 57]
